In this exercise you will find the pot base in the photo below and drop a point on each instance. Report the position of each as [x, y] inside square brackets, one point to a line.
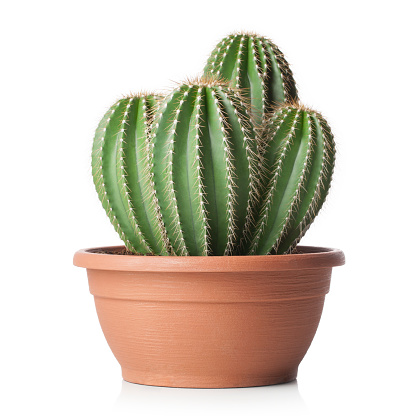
[203, 382]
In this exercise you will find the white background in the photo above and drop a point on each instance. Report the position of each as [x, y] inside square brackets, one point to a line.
[64, 63]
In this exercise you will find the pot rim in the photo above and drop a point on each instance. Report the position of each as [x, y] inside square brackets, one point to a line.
[310, 258]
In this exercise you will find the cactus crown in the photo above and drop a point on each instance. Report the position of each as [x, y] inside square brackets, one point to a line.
[228, 163]
[205, 80]
[256, 66]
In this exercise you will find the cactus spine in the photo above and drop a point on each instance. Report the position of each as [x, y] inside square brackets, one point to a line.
[298, 161]
[255, 65]
[121, 174]
[204, 164]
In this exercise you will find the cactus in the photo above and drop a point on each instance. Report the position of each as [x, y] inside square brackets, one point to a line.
[200, 172]
[186, 180]
[298, 161]
[204, 165]
[121, 174]
[255, 65]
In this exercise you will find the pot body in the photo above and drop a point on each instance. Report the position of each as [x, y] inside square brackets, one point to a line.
[210, 322]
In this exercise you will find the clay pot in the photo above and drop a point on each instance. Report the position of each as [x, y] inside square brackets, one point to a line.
[209, 321]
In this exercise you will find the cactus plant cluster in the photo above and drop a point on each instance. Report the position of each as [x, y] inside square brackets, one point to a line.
[228, 163]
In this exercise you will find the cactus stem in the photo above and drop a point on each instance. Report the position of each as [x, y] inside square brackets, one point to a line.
[203, 127]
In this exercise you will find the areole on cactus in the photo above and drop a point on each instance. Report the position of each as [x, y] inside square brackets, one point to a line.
[256, 66]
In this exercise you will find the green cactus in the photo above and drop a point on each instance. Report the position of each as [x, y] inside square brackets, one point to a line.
[122, 177]
[255, 65]
[204, 165]
[193, 174]
[298, 160]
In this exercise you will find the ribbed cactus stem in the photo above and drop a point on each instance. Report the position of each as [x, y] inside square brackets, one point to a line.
[298, 159]
[255, 65]
[204, 162]
[122, 174]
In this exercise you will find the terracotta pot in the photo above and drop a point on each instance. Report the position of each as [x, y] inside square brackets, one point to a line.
[209, 321]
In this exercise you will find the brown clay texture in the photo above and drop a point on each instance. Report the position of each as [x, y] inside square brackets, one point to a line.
[209, 322]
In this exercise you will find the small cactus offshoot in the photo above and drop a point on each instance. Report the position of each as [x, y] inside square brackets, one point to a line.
[226, 164]
[257, 67]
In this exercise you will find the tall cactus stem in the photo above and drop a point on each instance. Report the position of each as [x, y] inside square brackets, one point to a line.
[199, 136]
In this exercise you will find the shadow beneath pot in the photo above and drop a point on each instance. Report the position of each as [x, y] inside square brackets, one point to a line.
[149, 400]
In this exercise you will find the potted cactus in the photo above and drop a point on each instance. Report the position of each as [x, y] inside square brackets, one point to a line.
[211, 188]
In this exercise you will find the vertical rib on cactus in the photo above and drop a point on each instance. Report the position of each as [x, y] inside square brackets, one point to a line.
[121, 174]
[299, 159]
[255, 65]
[204, 195]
